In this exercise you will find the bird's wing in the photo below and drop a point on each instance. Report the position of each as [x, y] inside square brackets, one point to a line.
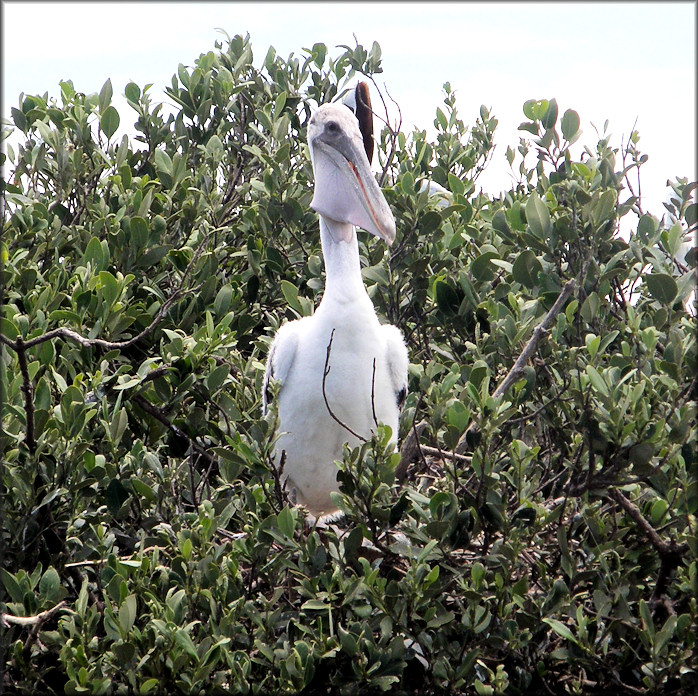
[398, 361]
[280, 359]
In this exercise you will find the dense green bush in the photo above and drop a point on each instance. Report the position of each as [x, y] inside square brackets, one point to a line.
[541, 539]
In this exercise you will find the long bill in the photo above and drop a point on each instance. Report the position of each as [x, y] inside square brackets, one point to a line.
[346, 190]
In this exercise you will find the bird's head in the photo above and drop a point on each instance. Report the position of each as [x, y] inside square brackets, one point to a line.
[345, 189]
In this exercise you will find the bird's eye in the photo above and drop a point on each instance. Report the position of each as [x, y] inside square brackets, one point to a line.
[332, 127]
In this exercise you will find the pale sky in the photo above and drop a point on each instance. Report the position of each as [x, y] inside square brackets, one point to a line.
[618, 61]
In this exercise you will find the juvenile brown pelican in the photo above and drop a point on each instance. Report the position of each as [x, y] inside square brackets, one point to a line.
[366, 377]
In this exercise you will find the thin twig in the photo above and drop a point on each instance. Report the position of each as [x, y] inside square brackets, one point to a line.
[393, 131]
[326, 372]
[20, 346]
[436, 452]
[100, 342]
[373, 393]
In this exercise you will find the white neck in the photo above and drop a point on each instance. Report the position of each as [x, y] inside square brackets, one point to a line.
[340, 249]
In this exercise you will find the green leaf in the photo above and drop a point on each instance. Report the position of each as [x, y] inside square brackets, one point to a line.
[592, 343]
[603, 208]
[290, 292]
[216, 378]
[535, 109]
[286, 522]
[50, 583]
[347, 641]
[478, 372]
[223, 299]
[110, 287]
[105, 96]
[148, 685]
[431, 577]
[93, 254]
[646, 617]
[477, 572]
[691, 214]
[569, 124]
[12, 586]
[481, 267]
[561, 629]
[139, 231]
[646, 227]
[526, 269]
[665, 634]
[597, 381]
[20, 119]
[109, 121]
[590, 307]
[163, 161]
[550, 118]
[447, 299]
[585, 173]
[183, 639]
[529, 128]
[116, 495]
[214, 147]
[8, 329]
[529, 109]
[662, 287]
[500, 224]
[132, 92]
[127, 613]
[441, 120]
[538, 217]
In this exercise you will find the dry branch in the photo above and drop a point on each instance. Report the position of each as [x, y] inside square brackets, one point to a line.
[410, 451]
[33, 622]
[664, 548]
[20, 346]
[526, 354]
[37, 620]
[326, 372]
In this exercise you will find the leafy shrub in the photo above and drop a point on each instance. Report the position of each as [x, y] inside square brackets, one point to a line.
[538, 532]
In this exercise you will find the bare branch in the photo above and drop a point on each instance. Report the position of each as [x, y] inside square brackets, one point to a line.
[324, 393]
[664, 548]
[410, 451]
[117, 345]
[65, 332]
[436, 452]
[532, 345]
[373, 393]
[36, 620]
[526, 354]
[393, 130]
[28, 389]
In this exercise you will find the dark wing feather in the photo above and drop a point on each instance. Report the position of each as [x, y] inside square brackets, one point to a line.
[364, 114]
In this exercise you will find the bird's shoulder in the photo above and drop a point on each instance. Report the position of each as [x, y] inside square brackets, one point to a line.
[281, 356]
[398, 360]
[395, 346]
